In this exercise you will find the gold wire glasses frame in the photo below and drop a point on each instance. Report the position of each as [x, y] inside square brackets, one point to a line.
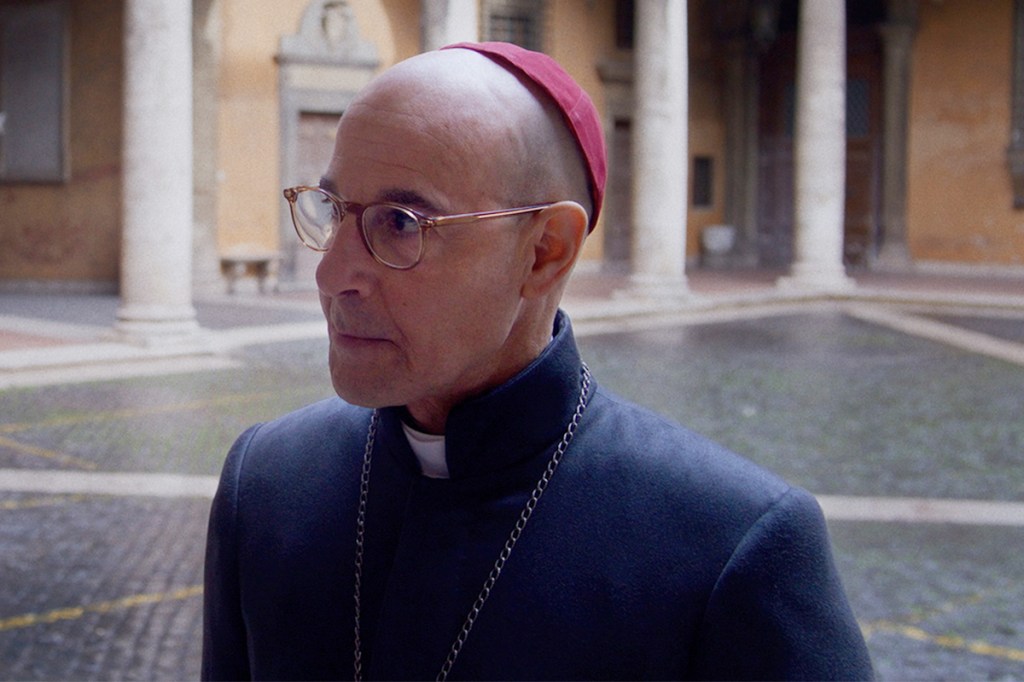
[392, 233]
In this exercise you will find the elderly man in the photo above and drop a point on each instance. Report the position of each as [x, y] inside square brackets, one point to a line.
[475, 505]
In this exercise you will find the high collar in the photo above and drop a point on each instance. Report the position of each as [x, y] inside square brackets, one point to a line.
[521, 419]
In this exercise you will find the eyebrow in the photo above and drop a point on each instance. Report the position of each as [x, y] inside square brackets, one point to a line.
[394, 195]
[409, 198]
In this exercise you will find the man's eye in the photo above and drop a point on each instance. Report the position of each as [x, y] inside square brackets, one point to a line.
[336, 213]
[399, 223]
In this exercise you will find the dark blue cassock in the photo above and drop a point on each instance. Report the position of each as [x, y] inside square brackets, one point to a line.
[653, 554]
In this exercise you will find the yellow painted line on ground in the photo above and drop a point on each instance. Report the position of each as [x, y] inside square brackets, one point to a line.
[75, 612]
[52, 455]
[945, 641]
[110, 415]
[36, 502]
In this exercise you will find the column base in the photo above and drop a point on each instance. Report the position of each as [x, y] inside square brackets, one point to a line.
[659, 288]
[150, 325]
[811, 279]
[893, 257]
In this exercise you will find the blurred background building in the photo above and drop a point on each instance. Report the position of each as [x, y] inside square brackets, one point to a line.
[144, 143]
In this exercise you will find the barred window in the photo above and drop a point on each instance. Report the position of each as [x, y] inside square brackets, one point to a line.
[703, 182]
[514, 21]
[33, 55]
[858, 108]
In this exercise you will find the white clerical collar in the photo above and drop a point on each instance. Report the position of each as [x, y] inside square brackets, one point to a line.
[429, 450]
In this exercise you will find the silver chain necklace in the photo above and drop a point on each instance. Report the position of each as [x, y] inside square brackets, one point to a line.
[506, 552]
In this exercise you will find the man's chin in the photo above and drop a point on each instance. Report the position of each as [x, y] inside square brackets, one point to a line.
[356, 393]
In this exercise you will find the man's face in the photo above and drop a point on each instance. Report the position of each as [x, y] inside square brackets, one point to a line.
[449, 328]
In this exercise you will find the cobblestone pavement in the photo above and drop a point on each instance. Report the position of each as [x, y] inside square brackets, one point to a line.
[903, 419]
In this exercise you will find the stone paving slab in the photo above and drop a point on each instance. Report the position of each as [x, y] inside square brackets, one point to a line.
[163, 424]
[1009, 328]
[937, 602]
[106, 587]
[100, 588]
[832, 403]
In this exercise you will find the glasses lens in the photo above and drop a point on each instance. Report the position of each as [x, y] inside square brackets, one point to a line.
[393, 234]
[317, 217]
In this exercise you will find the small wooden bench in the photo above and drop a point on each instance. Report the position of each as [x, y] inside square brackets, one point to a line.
[263, 265]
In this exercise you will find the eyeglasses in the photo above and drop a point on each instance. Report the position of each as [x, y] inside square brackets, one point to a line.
[393, 234]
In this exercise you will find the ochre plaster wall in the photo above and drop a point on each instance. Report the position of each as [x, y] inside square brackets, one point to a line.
[396, 33]
[579, 35]
[249, 117]
[248, 121]
[71, 231]
[959, 204]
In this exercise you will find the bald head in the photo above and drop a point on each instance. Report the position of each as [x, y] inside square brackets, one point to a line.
[499, 128]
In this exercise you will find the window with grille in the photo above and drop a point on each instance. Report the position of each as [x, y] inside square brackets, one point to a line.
[858, 108]
[703, 182]
[514, 21]
[33, 55]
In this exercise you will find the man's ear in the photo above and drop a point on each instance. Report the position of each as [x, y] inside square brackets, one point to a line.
[556, 246]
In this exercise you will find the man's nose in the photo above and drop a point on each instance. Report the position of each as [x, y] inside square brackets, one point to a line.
[345, 267]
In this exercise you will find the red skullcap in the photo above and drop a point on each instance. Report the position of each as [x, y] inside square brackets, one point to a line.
[576, 106]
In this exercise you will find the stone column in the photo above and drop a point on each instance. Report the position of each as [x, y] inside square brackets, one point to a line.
[156, 249]
[206, 54]
[820, 148]
[659, 148]
[443, 22]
